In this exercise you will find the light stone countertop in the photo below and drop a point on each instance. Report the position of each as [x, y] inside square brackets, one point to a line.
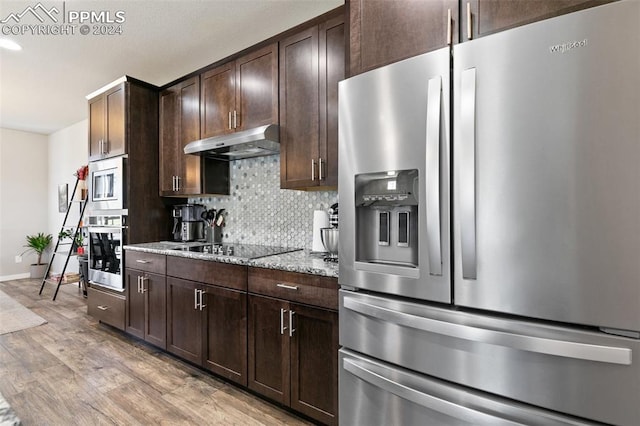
[301, 261]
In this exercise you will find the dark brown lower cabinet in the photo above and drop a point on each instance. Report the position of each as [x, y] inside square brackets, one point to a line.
[207, 326]
[184, 320]
[146, 312]
[225, 334]
[293, 356]
[314, 362]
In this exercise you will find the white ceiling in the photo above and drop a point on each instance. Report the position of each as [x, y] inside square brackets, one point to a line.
[43, 86]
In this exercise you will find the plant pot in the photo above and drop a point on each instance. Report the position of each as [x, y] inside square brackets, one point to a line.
[37, 270]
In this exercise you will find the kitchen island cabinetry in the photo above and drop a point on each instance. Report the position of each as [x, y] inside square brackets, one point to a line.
[241, 94]
[293, 346]
[382, 32]
[145, 287]
[180, 174]
[491, 16]
[312, 62]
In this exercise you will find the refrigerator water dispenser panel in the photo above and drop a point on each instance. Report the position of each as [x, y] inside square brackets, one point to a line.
[387, 218]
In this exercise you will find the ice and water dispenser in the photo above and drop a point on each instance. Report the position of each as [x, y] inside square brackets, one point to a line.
[387, 218]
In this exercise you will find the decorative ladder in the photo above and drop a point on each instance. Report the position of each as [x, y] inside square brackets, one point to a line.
[67, 253]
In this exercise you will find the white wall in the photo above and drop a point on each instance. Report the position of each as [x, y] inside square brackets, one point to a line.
[24, 198]
[68, 151]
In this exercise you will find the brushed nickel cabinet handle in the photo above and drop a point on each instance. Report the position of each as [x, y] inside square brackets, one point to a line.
[230, 127]
[102, 307]
[291, 329]
[320, 168]
[142, 261]
[469, 25]
[202, 293]
[195, 299]
[235, 119]
[142, 288]
[288, 287]
[282, 326]
[313, 169]
[449, 35]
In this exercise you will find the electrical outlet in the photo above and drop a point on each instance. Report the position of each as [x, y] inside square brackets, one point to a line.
[18, 259]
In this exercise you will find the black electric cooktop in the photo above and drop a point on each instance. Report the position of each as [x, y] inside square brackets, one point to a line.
[244, 251]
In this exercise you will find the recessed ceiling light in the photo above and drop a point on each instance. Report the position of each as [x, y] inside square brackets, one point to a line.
[9, 44]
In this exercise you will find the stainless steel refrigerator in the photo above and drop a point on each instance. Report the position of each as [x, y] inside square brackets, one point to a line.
[490, 229]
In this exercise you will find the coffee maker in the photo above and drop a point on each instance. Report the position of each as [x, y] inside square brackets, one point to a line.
[187, 222]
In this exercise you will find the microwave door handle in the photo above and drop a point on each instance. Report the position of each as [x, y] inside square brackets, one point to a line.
[467, 167]
[433, 175]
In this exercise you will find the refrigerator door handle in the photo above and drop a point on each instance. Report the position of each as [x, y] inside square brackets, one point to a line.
[434, 96]
[425, 400]
[561, 348]
[467, 169]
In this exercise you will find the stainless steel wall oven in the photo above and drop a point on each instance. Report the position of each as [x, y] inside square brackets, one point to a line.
[107, 235]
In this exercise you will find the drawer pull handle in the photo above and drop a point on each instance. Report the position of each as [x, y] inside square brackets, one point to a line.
[288, 287]
[102, 307]
[142, 261]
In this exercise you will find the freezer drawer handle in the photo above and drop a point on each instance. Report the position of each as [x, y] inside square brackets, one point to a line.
[468, 173]
[433, 176]
[425, 400]
[584, 351]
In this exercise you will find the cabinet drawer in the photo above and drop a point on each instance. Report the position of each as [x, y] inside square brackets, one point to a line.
[106, 307]
[302, 288]
[208, 272]
[149, 262]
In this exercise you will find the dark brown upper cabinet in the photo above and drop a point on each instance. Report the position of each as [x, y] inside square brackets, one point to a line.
[179, 125]
[383, 32]
[107, 123]
[312, 62]
[483, 17]
[240, 94]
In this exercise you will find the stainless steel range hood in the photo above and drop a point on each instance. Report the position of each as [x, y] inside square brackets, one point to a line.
[255, 142]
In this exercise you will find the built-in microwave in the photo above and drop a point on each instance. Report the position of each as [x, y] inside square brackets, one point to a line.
[107, 184]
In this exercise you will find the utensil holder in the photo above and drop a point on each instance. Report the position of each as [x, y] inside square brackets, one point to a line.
[213, 234]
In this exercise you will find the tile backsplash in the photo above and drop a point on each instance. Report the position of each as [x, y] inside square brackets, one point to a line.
[259, 212]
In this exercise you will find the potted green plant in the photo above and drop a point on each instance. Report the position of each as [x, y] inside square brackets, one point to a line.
[38, 243]
[76, 243]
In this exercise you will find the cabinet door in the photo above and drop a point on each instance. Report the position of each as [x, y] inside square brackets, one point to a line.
[257, 88]
[217, 100]
[332, 71]
[184, 320]
[97, 127]
[155, 292]
[179, 125]
[299, 115]
[170, 160]
[269, 348]
[116, 121]
[382, 32]
[225, 346]
[314, 362]
[491, 16]
[135, 307]
[190, 182]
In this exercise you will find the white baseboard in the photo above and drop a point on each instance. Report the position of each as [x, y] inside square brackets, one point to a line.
[15, 277]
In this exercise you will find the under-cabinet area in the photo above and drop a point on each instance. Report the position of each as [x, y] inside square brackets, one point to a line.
[272, 331]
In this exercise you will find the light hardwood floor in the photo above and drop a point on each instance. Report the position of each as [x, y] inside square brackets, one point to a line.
[74, 371]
